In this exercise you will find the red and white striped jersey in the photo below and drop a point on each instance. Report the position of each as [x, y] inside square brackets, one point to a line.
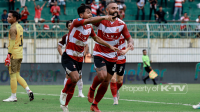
[63, 41]
[121, 59]
[178, 3]
[184, 19]
[94, 8]
[110, 32]
[77, 39]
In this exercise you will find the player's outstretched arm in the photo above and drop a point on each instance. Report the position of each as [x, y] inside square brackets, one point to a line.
[94, 20]
[59, 48]
[99, 40]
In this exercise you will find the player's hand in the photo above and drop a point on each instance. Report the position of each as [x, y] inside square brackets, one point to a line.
[7, 61]
[109, 18]
[130, 45]
[150, 68]
[114, 48]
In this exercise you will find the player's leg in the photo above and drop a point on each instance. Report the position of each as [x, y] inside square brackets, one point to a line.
[111, 66]
[22, 82]
[196, 106]
[101, 70]
[113, 87]
[147, 69]
[65, 81]
[80, 87]
[13, 81]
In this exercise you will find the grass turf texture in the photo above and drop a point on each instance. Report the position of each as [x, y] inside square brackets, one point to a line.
[50, 102]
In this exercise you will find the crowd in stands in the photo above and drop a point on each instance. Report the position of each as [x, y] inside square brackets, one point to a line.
[98, 9]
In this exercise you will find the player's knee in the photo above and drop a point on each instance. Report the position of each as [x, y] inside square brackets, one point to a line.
[101, 76]
[113, 80]
[120, 81]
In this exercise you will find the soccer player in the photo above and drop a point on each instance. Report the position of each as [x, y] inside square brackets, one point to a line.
[146, 65]
[72, 58]
[119, 73]
[14, 57]
[104, 58]
[60, 45]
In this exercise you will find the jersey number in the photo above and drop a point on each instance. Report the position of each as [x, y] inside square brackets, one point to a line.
[21, 41]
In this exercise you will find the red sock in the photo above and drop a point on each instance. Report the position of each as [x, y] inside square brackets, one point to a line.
[95, 83]
[100, 92]
[70, 93]
[113, 87]
[67, 85]
[119, 86]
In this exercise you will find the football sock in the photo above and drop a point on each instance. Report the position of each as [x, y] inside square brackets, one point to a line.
[13, 82]
[101, 91]
[21, 81]
[113, 87]
[119, 85]
[95, 83]
[13, 95]
[65, 81]
[80, 86]
[67, 86]
[27, 89]
[70, 92]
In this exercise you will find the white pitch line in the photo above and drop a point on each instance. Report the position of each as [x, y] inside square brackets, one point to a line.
[119, 99]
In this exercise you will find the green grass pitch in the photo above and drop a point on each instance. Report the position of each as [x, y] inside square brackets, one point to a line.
[47, 100]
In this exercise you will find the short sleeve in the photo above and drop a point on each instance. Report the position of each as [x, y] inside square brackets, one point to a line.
[125, 32]
[197, 20]
[63, 41]
[92, 33]
[182, 18]
[78, 22]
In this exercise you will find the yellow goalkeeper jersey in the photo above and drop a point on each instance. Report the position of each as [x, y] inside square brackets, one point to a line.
[16, 34]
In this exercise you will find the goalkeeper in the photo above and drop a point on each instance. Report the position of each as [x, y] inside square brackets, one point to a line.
[14, 57]
[147, 67]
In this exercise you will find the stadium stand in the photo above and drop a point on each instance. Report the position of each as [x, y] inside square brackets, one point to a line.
[71, 5]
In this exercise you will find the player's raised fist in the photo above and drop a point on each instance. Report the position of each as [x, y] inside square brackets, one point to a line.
[109, 18]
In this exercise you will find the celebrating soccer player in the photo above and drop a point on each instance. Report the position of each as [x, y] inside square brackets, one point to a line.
[60, 45]
[104, 58]
[119, 72]
[72, 58]
[14, 57]
[146, 65]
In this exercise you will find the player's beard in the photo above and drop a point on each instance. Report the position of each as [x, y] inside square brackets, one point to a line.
[116, 14]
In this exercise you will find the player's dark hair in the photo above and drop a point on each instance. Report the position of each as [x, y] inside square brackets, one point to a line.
[67, 23]
[143, 50]
[17, 9]
[82, 8]
[160, 6]
[110, 3]
[198, 15]
[15, 14]
[4, 10]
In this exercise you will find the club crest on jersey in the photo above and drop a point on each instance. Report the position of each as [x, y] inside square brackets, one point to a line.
[117, 30]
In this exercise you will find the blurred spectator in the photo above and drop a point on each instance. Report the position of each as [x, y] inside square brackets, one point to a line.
[94, 8]
[165, 3]
[191, 0]
[121, 10]
[19, 13]
[178, 7]
[101, 10]
[103, 2]
[123, 4]
[23, 2]
[152, 7]
[184, 19]
[11, 4]
[62, 2]
[24, 17]
[38, 11]
[52, 2]
[4, 17]
[88, 2]
[198, 27]
[140, 6]
[55, 10]
[160, 14]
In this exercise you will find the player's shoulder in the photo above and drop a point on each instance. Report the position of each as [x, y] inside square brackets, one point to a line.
[121, 21]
